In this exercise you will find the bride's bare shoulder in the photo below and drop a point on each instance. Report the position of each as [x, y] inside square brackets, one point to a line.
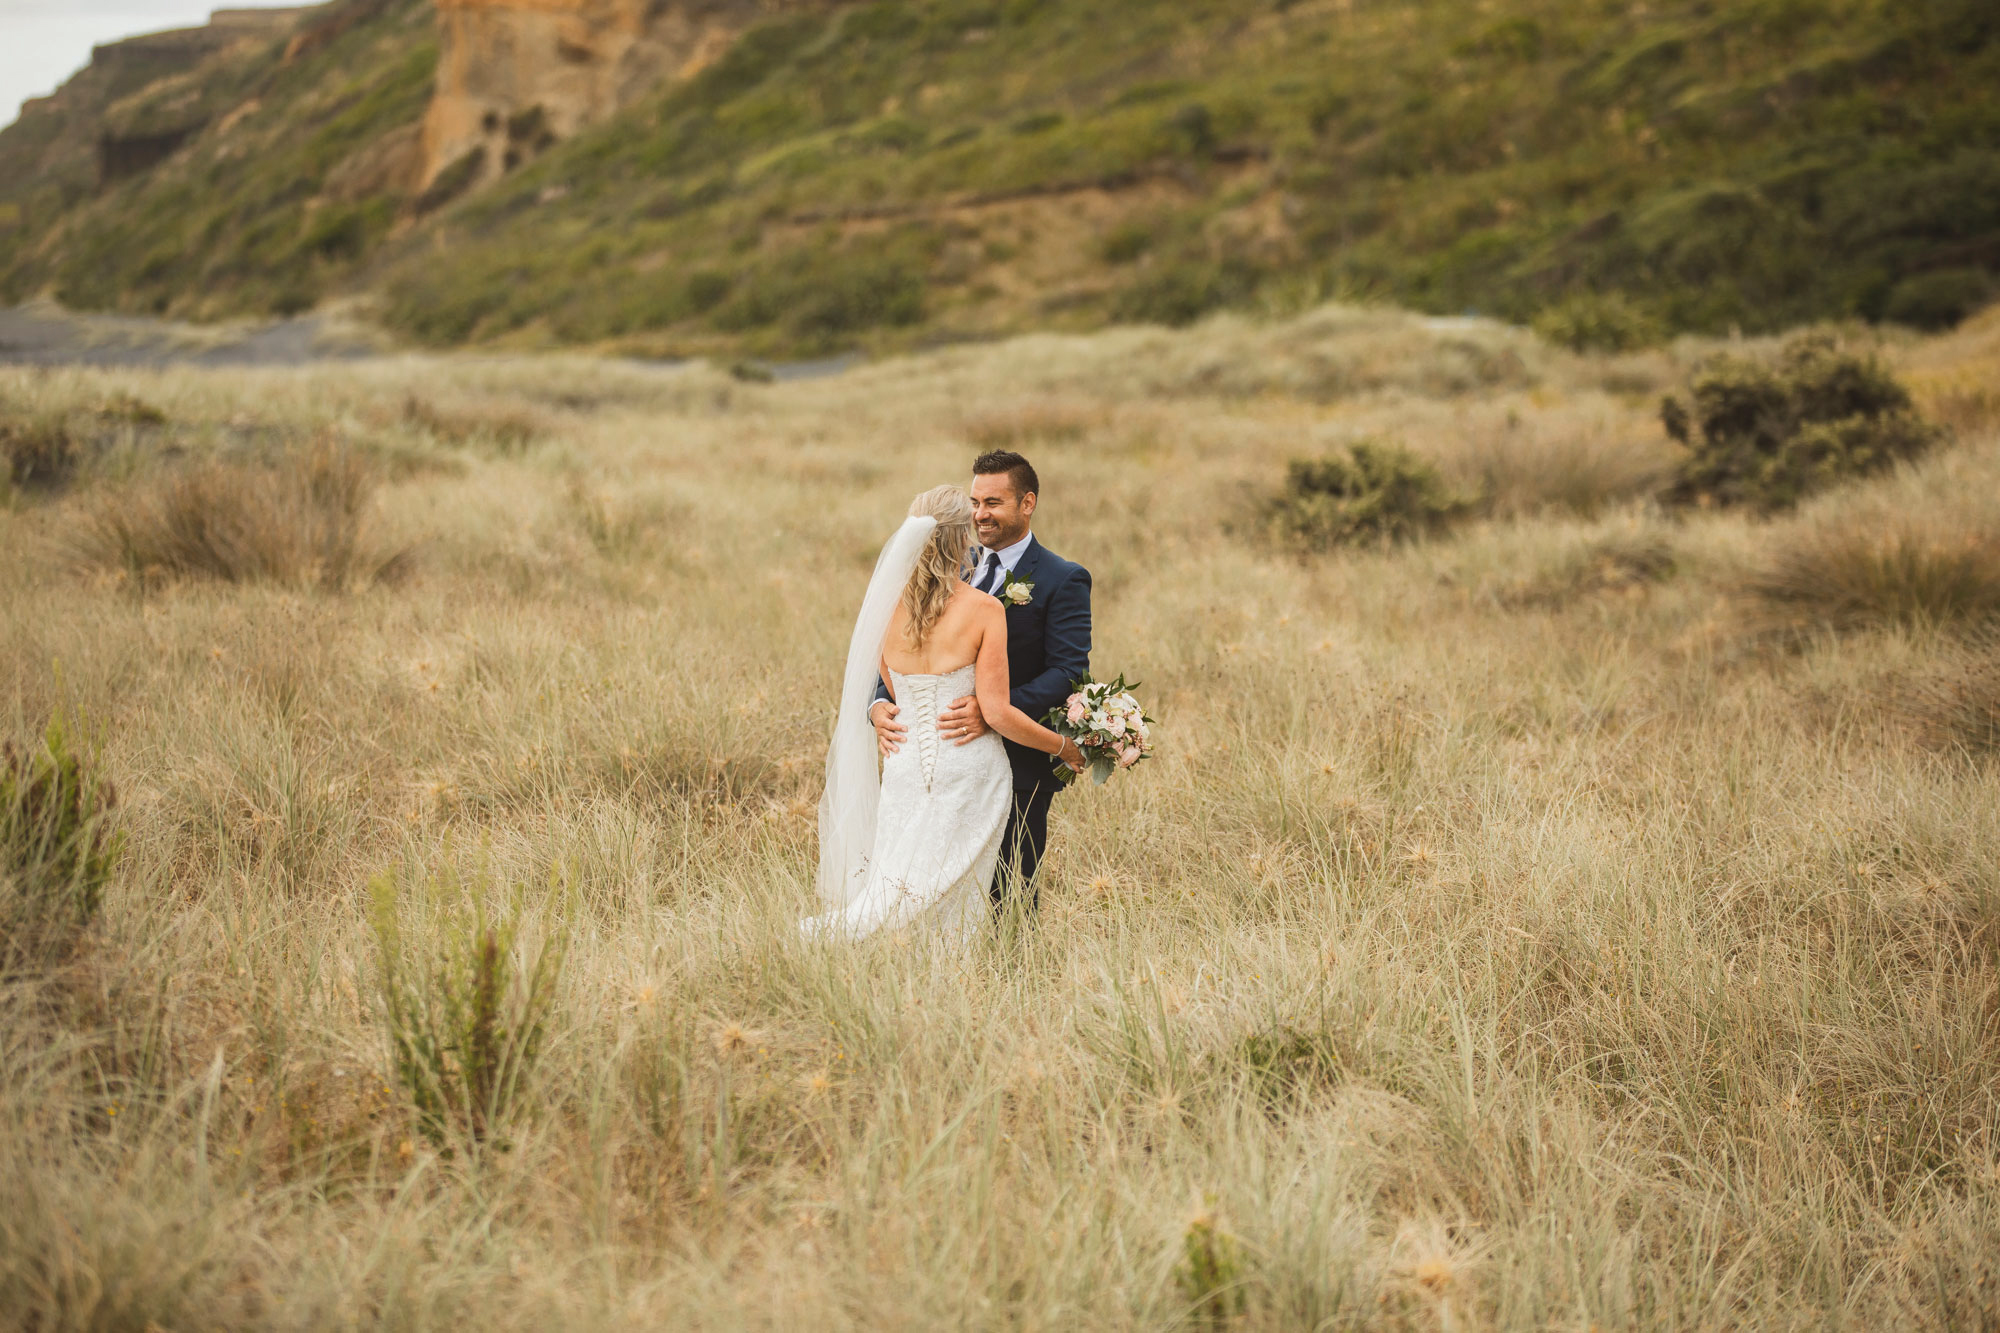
[970, 598]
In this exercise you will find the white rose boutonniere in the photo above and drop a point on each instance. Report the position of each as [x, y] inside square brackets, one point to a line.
[1016, 592]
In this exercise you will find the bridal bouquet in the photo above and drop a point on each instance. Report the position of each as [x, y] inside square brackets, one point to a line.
[1106, 723]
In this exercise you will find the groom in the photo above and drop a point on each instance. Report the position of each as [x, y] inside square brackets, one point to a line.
[1048, 646]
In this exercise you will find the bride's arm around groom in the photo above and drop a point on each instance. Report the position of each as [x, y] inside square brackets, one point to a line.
[1047, 600]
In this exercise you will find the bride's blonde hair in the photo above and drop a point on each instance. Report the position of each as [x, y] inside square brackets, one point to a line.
[941, 565]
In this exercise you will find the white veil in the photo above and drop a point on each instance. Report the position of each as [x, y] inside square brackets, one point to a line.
[853, 784]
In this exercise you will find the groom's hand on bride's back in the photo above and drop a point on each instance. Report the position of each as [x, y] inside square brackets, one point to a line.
[888, 731]
[963, 723]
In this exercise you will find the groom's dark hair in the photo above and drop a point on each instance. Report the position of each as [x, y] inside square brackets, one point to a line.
[1018, 469]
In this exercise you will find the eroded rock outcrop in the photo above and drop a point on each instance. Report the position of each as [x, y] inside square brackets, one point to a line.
[516, 75]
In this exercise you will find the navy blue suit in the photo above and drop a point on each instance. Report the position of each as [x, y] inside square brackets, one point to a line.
[1048, 647]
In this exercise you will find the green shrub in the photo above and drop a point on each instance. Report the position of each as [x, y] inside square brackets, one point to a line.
[1938, 300]
[1285, 1062]
[1767, 434]
[706, 289]
[346, 231]
[1191, 130]
[893, 133]
[1037, 123]
[1598, 322]
[1125, 243]
[453, 181]
[823, 298]
[1378, 492]
[1210, 1274]
[1178, 294]
[57, 846]
[465, 1017]
[870, 293]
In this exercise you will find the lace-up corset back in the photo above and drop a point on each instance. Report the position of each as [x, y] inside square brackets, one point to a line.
[920, 699]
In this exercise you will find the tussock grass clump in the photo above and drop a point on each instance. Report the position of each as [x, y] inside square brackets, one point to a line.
[37, 453]
[131, 410]
[466, 1013]
[1850, 577]
[1379, 491]
[1767, 434]
[48, 451]
[302, 522]
[58, 849]
[1178, 293]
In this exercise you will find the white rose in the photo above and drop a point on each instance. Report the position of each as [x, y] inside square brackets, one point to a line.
[1019, 593]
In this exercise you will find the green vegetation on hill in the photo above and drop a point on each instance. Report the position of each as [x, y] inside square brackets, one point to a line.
[925, 169]
[253, 216]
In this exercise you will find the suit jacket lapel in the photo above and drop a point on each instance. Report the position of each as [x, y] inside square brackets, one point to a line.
[1024, 568]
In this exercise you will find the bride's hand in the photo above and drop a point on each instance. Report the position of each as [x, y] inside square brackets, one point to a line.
[1070, 754]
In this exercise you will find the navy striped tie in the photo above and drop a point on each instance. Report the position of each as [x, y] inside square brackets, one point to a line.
[990, 580]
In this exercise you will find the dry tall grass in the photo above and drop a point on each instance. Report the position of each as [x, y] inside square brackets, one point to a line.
[1468, 959]
[303, 520]
[1847, 579]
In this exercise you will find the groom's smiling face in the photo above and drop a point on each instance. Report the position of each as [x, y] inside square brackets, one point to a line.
[1000, 514]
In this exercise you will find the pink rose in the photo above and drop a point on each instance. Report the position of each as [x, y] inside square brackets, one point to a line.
[1117, 727]
[1077, 709]
[1129, 756]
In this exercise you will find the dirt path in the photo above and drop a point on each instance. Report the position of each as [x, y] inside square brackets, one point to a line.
[44, 334]
[47, 335]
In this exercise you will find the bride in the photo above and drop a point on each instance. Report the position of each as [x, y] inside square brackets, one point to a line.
[917, 844]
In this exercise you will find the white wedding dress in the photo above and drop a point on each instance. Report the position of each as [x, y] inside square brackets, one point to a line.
[913, 843]
[937, 826]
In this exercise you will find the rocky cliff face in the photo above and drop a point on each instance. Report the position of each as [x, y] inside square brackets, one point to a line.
[93, 128]
[515, 76]
[294, 144]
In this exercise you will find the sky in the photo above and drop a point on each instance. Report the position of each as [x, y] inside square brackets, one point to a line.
[43, 42]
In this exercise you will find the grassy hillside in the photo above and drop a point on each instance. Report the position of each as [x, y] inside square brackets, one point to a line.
[275, 197]
[936, 169]
[1515, 930]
